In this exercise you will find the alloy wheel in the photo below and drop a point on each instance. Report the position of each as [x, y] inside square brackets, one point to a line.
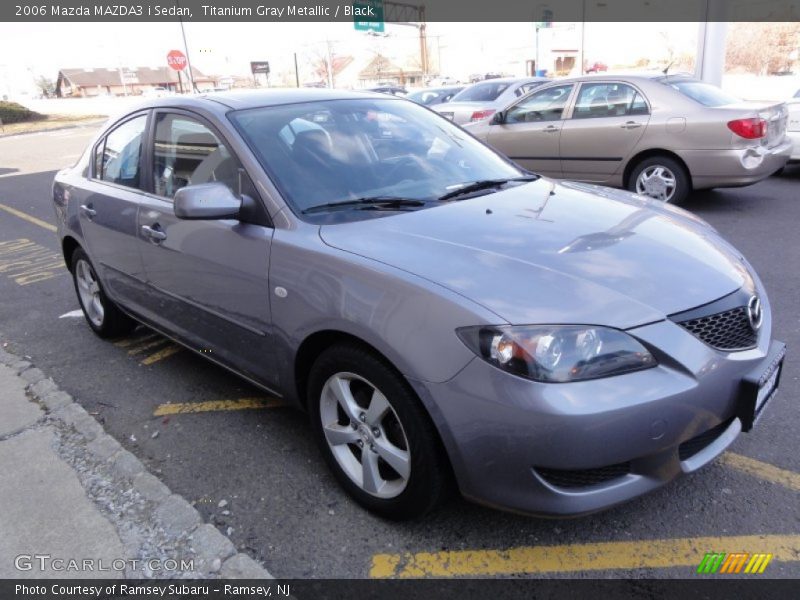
[658, 182]
[365, 435]
[89, 292]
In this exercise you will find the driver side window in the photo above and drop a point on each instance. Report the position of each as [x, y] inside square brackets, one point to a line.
[544, 105]
[187, 153]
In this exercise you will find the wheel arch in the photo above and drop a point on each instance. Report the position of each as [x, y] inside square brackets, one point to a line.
[68, 246]
[649, 153]
[314, 345]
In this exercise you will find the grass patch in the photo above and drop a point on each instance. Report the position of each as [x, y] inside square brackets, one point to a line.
[11, 112]
[48, 122]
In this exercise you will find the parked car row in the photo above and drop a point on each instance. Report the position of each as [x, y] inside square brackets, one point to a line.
[654, 134]
[657, 135]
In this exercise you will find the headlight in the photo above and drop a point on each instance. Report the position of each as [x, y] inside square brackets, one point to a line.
[558, 353]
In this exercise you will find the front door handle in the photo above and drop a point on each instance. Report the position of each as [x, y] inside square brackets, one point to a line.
[631, 125]
[550, 129]
[154, 233]
[88, 210]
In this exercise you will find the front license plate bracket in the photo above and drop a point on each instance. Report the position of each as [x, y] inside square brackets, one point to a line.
[760, 386]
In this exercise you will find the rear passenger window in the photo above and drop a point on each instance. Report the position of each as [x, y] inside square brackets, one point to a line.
[118, 156]
[187, 153]
[608, 100]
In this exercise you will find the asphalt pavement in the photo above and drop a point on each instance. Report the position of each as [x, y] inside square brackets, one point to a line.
[212, 437]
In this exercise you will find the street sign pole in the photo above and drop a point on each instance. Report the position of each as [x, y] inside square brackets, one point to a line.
[193, 88]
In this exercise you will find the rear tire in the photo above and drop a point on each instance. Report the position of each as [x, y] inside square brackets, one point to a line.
[661, 178]
[375, 435]
[104, 317]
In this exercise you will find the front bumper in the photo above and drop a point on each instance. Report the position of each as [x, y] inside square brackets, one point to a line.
[735, 167]
[513, 441]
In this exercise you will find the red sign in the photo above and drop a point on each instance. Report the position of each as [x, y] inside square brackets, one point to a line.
[176, 60]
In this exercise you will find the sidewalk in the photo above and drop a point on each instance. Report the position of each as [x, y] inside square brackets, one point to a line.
[75, 504]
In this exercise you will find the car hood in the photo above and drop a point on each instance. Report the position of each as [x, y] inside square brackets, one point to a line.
[548, 252]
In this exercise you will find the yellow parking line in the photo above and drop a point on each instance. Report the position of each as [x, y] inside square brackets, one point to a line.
[147, 345]
[161, 355]
[658, 554]
[26, 262]
[126, 342]
[28, 218]
[217, 405]
[762, 470]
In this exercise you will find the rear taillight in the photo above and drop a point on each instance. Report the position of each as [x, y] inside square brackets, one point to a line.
[480, 115]
[750, 129]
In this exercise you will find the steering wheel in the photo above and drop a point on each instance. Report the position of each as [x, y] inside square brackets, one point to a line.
[405, 162]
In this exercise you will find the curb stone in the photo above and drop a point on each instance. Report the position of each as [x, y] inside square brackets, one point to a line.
[214, 553]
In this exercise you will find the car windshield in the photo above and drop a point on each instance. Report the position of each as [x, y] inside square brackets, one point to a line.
[482, 92]
[704, 93]
[338, 150]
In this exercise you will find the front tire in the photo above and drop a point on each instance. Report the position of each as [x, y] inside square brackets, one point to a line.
[104, 317]
[661, 178]
[374, 434]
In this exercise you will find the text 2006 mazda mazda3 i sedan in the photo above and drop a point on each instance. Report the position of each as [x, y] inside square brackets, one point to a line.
[442, 315]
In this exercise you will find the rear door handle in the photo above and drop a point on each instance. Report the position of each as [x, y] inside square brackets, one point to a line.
[631, 125]
[550, 129]
[154, 233]
[88, 210]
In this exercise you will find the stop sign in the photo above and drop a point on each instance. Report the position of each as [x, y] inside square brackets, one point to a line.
[176, 60]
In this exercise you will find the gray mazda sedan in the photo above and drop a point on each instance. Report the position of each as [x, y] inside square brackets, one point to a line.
[445, 317]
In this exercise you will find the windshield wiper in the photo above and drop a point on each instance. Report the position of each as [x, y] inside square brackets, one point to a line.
[483, 184]
[370, 203]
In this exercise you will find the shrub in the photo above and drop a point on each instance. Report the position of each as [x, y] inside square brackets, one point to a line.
[11, 112]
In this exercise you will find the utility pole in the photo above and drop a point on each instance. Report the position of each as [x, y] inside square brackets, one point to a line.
[122, 78]
[423, 43]
[583, 35]
[329, 63]
[186, 49]
[296, 71]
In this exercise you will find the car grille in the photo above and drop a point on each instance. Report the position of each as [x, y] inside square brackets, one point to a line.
[691, 447]
[729, 330]
[583, 477]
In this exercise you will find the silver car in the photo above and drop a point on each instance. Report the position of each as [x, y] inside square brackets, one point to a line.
[661, 136]
[793, 127]
[442, 315]
[481, 100]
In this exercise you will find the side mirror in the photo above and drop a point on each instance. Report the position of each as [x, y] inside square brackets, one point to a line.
[499, 117]
[212, 200]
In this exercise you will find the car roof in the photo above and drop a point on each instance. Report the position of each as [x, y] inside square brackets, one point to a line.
[512, 80]
[627, 76]
[441, 88]
[244, 99]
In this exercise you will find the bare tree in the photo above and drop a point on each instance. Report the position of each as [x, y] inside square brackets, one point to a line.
[321, 60]
[762, 48]
[46, 86]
